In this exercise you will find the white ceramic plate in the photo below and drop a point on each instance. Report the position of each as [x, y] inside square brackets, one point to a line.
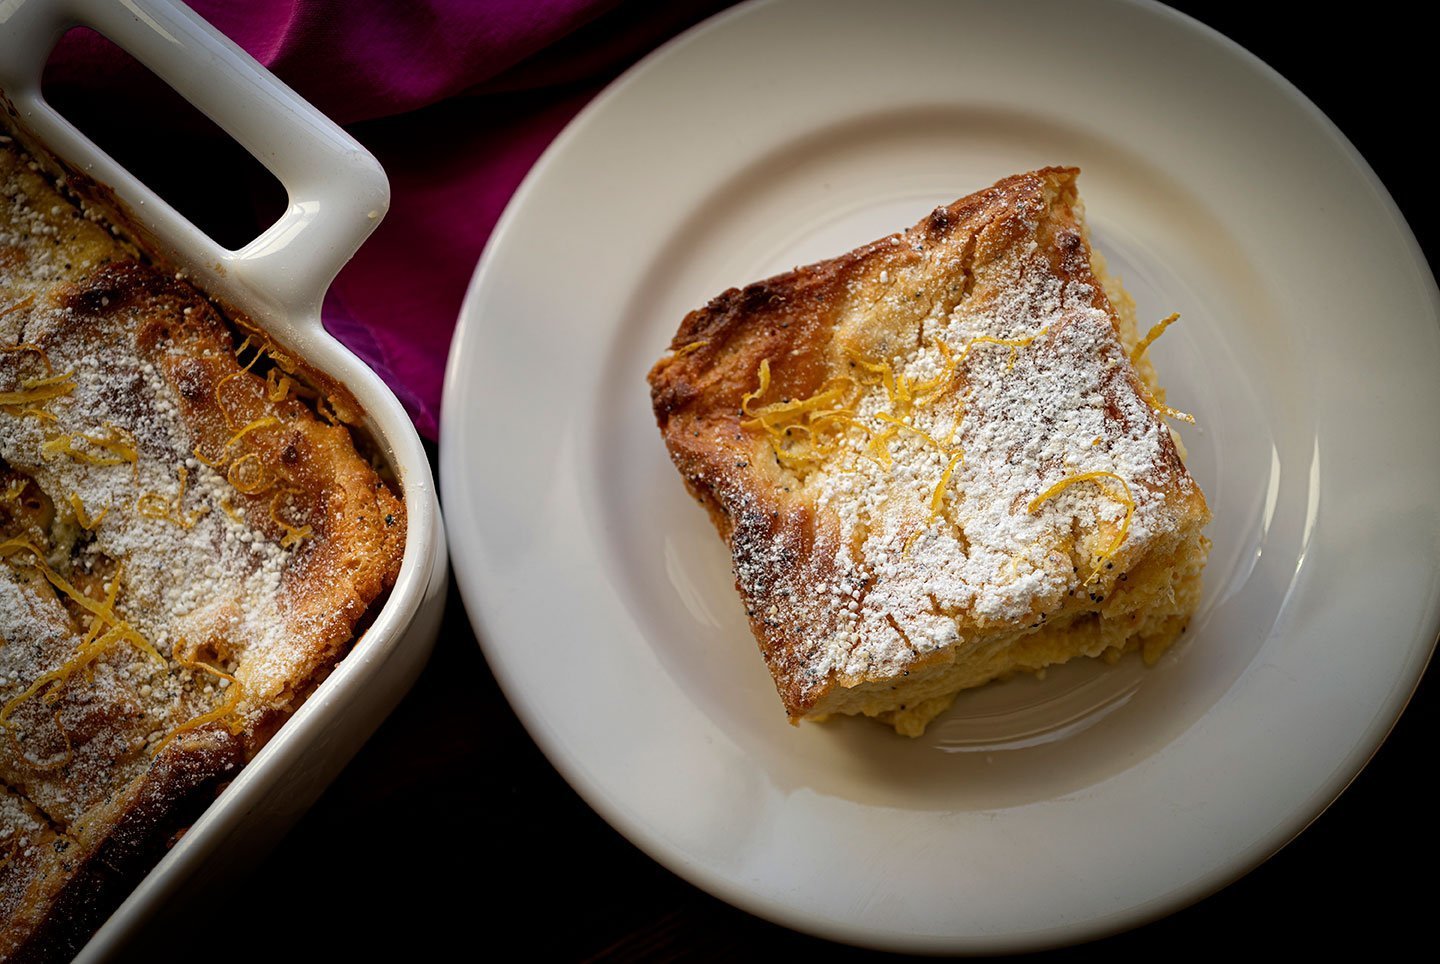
[1036, 811]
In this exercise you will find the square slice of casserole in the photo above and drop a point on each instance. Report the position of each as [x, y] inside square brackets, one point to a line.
[938, 459]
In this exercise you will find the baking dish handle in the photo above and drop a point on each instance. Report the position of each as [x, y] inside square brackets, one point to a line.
[337, 190]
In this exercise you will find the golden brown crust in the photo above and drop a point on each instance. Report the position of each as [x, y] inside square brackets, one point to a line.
[358, 523]
[186, 549]
[67, 883]
[883, 301]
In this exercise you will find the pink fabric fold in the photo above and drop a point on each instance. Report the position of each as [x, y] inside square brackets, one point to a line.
[457, 99]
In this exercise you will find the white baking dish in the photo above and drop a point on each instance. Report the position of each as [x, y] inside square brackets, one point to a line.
[337, 195]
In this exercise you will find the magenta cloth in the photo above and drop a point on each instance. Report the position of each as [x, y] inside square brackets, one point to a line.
[457, 99]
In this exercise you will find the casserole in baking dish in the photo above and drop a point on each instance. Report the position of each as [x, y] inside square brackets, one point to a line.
[201, 507]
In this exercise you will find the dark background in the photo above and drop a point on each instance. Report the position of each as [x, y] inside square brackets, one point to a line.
[451, 834]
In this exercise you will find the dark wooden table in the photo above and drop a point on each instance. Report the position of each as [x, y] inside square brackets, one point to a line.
[450, 834]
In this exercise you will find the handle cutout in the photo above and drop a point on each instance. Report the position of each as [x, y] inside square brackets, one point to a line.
[128, 112]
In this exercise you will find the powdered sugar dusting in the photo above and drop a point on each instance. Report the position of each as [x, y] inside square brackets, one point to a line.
[1056, 400]
[102, 480]
[188, 541]
[176, 576]
[100, 483]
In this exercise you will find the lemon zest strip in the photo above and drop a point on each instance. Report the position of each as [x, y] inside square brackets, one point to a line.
[36, 390]
[1128, 501]
[29, 346]
[228, 706]
[20, 305]
[1156, 330]
[293, 535]
[937, 501]
[264, 422]
[83, 517]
